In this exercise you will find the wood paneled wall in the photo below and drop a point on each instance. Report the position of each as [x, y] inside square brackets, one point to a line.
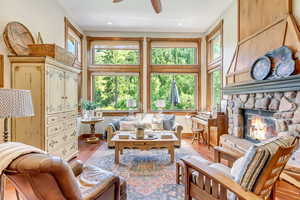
[264, 25]
[254, 15]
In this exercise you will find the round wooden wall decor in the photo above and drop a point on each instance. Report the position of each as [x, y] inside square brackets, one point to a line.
[17, 38]
[261, 68]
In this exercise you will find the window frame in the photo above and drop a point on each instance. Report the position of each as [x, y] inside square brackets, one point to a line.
[211, 83]
[98, 69]
[93, 59]
[70, 26]
[213, 65]
[178, 69]
[117, 74]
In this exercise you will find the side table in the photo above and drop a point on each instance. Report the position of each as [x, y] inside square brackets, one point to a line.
[92, 139]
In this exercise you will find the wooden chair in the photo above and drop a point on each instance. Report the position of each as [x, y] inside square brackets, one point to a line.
[198, 132]
[212, 184]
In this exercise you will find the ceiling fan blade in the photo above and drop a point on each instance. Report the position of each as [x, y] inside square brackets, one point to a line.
[116, 1]
[156, 5]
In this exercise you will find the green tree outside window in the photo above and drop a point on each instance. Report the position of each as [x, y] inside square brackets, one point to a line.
[216, 86]
[174, 56]
[112, 92]
[161, 89]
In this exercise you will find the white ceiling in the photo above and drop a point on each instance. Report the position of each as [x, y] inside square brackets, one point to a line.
[139, 16]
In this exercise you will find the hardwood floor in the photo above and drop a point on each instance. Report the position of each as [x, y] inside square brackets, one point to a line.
[87, 150]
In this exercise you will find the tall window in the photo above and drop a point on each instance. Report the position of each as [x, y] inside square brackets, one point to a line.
[161, 89]
[215, 65]
[173, 74]
[216, 86]
[73, 42]
[112, 91]
[115, 73]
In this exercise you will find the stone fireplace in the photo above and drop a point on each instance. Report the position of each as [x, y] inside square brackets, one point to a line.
[264, 109]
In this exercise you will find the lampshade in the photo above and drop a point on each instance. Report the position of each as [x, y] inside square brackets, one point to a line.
[131, 103]
[15, 103]
[160, 103]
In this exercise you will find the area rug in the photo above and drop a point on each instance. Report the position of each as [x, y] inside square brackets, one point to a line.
[149, 174]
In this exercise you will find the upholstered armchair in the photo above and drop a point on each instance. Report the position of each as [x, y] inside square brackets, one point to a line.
[252, 177]
[44, 177]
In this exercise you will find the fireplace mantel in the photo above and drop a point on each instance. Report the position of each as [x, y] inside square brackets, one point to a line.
[291, 83]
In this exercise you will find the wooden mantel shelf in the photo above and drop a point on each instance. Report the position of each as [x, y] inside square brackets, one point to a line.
[291, 83]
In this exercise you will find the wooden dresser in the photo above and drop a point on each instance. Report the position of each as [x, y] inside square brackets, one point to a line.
[54, 93]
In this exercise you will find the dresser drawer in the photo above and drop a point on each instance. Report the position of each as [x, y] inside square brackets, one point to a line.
[72, 135]
[52, 119]
[69, 115]
[53, 143]
[55, 129]
[71, 149]
[70, 125]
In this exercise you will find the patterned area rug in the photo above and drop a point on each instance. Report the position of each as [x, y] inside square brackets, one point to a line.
[149, 174]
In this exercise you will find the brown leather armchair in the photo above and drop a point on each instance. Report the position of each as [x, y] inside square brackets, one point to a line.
[44, 177]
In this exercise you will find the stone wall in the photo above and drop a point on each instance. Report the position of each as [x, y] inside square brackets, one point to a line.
[286, 106]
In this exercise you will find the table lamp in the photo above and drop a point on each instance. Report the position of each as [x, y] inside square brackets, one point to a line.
[131, 103]
[13, 104]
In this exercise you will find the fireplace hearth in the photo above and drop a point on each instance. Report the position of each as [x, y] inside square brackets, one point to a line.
[259, 125]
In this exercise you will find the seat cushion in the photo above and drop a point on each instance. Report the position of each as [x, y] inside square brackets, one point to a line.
[93, 181]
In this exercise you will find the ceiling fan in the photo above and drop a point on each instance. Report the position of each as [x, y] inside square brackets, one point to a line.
[155, 3]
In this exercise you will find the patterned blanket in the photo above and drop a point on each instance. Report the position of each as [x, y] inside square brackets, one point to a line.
[11, 150]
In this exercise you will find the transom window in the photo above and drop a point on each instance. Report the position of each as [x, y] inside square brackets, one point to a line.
[112, 91]
[116, 53]
[174, 53]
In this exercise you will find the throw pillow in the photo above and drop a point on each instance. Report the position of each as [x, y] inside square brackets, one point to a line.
[116, 122]
[127, 125]
[169, 122]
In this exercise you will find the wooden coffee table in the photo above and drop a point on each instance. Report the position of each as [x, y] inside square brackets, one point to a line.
[143, 145]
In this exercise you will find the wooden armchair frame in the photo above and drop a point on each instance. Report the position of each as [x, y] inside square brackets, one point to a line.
[213, 184]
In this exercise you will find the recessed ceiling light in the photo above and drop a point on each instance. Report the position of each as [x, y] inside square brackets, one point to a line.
[180, 24]
[109, 23]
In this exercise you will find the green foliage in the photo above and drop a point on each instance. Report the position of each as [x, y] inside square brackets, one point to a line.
[216, 47]
[116, 57]
[174, 56]
[88, 105]
[216, 86]
[161, 89]
[112, 92]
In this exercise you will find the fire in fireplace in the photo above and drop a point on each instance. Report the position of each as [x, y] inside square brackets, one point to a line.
[259, 125]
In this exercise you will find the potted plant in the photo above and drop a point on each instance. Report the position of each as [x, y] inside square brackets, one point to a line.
[89, 108]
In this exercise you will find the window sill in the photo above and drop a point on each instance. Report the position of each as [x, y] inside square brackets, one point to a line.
[176, 112]
[118, 113]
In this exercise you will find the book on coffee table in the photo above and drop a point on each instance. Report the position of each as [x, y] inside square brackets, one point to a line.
[123, 136]
[166, 136]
